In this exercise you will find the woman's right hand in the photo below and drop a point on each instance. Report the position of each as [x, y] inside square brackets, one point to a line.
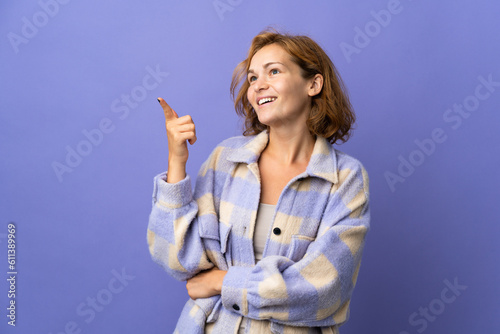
[179, 130]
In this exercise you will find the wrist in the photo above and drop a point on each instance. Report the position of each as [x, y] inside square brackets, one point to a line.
[176, 160]
[176, 171]
[220, 279]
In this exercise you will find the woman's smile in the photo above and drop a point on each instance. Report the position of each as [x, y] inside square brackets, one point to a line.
[265, 100]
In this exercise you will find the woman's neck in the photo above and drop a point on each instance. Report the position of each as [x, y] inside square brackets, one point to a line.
[290, 146]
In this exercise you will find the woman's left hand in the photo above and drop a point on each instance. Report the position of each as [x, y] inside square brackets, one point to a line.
[206, 284]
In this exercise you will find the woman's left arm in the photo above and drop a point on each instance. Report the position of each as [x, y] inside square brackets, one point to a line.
[316, 290]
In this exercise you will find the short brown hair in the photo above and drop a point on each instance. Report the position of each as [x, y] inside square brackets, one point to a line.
[331, 116]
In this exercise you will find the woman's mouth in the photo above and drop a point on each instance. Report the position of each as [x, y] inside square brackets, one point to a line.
[264, 100]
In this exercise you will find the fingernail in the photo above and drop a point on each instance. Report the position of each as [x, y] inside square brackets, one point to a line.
[158, 100]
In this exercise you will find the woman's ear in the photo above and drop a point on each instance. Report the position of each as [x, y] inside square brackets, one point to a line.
[316, 85]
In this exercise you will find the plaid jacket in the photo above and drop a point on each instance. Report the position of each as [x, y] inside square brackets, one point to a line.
[313, 253]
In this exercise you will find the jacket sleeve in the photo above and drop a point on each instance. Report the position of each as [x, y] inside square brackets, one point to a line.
[173, 235]
[314, 291]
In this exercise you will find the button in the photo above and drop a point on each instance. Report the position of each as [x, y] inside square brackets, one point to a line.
[236, 307]
[277, 231]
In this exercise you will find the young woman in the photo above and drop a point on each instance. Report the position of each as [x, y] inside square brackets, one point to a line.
[271, 239]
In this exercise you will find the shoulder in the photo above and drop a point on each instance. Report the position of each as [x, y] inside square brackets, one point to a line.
[230, 146]
[348, 167]
[222, 161]
[345, 160]
[221, 158]
[334, 165]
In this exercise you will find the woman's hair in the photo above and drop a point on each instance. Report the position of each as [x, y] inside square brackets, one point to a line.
[331, 117]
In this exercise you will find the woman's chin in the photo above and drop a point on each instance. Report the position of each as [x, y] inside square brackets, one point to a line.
[265, 119]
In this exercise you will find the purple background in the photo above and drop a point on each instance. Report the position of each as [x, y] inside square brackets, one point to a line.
[77, 231]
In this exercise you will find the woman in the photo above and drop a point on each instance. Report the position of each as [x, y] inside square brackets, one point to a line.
[271, 239]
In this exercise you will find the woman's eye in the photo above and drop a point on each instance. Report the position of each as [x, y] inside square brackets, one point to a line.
[275, 71]
[252, 78]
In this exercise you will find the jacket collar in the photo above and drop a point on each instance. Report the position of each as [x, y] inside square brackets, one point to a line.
[323, 162]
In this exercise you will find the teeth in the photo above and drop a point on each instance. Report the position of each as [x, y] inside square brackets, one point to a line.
[267, 99]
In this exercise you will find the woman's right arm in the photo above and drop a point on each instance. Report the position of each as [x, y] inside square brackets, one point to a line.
[173, 237]
[179, 130]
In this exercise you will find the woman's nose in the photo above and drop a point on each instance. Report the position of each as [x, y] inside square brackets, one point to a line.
[260, 84]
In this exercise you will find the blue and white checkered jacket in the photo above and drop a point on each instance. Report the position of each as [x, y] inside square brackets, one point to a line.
[311, 260]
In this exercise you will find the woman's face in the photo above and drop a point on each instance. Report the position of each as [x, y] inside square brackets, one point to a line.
[278, 93]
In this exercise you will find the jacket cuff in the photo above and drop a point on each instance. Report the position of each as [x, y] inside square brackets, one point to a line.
[234, 292]
[172, 195]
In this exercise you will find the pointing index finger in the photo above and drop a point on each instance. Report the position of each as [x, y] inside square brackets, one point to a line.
[169, 113]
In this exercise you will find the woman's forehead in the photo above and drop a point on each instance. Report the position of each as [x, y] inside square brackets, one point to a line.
[272, 53]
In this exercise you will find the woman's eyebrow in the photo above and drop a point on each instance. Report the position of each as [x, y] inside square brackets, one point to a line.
[272, 63]
[266, 65]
